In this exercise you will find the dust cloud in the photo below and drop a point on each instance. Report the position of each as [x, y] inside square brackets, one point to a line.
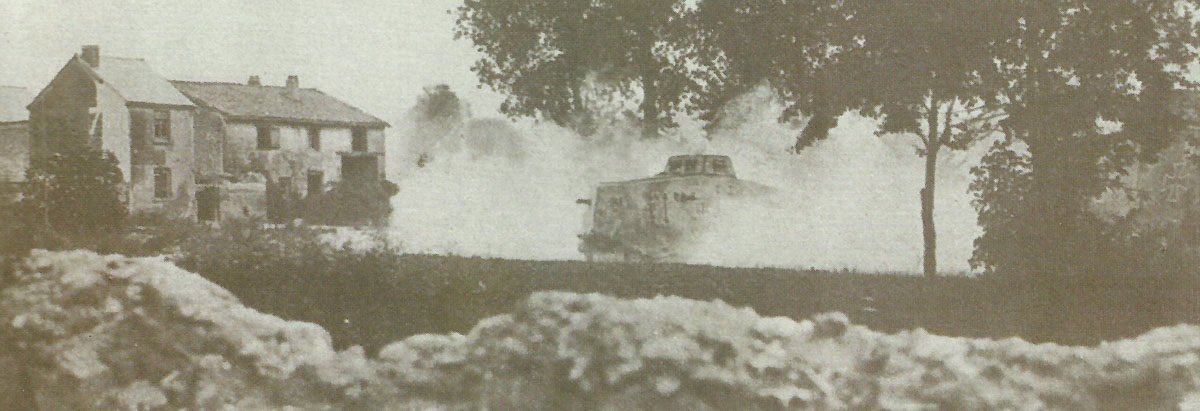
[491, 187]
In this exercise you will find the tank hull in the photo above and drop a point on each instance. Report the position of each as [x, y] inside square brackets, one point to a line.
[652, 219]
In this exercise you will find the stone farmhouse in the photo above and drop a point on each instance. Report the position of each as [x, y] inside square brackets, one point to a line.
[295, 140]
[122, 106]
[207, 151]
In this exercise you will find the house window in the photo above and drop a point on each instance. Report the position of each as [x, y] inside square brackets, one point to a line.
[358, 140]
[316, 183]
[268, 137]
[162, 127]
[162, 182]
[314, 138]
[285, 184]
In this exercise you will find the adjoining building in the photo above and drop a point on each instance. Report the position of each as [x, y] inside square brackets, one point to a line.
[122, 106]
[257, 142]
[14, 140]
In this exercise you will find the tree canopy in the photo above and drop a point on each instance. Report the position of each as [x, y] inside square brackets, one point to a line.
[1087, 86]
[556, 58]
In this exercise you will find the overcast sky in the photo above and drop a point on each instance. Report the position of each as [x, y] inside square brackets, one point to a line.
[375, 54]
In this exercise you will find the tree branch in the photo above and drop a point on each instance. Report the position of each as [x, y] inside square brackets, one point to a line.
[946, 126]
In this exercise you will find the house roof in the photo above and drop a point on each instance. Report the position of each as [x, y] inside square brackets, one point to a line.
[273, 103]
[12, 103]
[136, 81]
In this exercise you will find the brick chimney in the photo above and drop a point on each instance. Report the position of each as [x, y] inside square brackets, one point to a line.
[293, 87]
[91, 55]
[254, 81]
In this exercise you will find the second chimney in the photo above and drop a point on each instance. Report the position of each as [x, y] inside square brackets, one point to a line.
[91, 55]
[254, 81]
[293, 82]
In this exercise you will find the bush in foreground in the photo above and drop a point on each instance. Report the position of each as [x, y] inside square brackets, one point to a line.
[85, 331]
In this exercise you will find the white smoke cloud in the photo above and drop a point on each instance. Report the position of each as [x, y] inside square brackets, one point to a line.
[503, 189]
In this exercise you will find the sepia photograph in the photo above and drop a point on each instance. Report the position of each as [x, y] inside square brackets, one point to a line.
[600, 205]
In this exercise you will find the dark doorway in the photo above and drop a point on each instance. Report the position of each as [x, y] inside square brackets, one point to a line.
[358, 139]
[208, 203]
[316, 183]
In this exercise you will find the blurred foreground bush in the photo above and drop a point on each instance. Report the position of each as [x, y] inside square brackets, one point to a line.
[84, 331]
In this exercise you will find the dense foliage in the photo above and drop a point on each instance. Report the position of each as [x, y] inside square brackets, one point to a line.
[70, 195]
[558, 59]
[1080, 86]
[1086, 86]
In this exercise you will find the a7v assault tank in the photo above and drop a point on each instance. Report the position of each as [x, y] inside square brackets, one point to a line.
[651, 219]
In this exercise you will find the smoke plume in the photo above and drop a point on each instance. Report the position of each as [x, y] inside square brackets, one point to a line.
[494, 188]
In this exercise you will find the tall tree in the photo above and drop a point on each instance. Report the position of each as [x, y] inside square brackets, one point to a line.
[548, 56]
[1086, 85]
[922, 77]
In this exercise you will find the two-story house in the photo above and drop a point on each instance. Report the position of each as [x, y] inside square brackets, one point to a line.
[256, 141]
[122, 106]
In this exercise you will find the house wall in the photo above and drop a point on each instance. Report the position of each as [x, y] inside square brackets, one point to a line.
[114, 114]
[209, 140]
[61, 113]
[14, 151]
[377, 143]
[177, 156]
[14, 159]
[294, 158]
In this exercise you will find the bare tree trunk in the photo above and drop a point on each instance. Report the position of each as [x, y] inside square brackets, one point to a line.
[933, 142]
[930, 232]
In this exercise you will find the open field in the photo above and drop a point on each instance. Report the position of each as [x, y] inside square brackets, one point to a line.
[372, 299]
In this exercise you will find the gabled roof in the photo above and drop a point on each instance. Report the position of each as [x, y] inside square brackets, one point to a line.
[136, 81]
[273, 103]
[132, 78]
[12, 104]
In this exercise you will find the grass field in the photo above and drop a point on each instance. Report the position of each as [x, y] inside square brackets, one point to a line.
[377, 298]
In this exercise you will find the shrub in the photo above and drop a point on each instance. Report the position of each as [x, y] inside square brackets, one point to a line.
[1040, 222]
[353, 203]
[72, 197]
[75, 190]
